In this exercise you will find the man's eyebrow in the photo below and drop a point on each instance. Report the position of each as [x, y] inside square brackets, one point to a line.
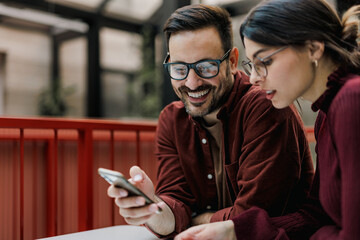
[203, 59]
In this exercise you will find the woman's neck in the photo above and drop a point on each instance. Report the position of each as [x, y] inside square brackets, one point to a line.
[323, 71]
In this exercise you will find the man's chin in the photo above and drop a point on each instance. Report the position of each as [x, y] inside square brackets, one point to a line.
[196, 111]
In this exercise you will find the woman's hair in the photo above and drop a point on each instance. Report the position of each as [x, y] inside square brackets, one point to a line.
[294, 22]
[194, 17]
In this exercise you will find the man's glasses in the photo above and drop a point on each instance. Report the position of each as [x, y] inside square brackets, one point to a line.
[260, 66]
[208, 68]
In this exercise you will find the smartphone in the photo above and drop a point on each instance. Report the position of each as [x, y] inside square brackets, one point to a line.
[118, 180]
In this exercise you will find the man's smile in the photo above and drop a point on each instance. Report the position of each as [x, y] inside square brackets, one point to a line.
[198, 94]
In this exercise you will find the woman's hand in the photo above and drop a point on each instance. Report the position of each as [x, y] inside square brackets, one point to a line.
[211, 231]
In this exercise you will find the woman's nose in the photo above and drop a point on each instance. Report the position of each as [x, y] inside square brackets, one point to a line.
[255, 79]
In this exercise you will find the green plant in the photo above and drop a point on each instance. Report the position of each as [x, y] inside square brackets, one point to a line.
[144, 91]
[52, 101]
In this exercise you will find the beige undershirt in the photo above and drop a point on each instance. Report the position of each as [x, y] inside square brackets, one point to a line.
[214, 126]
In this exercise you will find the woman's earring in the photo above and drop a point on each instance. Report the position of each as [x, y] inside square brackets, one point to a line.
[316, 63]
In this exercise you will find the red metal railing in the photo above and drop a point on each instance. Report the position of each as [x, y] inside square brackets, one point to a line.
[48, 179]
[42, 153]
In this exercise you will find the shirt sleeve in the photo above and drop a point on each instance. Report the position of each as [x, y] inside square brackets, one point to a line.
[275, 167]
[256, 224]
[174, 183]
[345, 130]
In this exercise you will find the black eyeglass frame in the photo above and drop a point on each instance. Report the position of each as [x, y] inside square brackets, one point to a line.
[262, 61]
[193, 65]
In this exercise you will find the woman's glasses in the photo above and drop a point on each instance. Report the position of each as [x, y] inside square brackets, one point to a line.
[205, 68]
[259, 66]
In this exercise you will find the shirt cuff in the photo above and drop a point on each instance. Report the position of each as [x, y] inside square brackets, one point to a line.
[255, 224]
[181, 213]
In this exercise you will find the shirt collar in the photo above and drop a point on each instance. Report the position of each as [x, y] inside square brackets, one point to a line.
[335, 81]
[240, 87]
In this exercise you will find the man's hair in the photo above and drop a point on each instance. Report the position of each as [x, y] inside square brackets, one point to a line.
[194, 17]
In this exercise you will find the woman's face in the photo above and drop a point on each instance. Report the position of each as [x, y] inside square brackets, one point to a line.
[290, 72]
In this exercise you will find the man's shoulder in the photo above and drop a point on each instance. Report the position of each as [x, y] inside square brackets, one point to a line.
[175, 111]
[173, 108]
[174, 120]
[254, 104]
[253, 97]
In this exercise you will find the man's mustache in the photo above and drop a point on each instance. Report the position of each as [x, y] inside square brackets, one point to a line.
[200, 88]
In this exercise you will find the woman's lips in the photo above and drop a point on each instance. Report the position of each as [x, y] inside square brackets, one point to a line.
[270, 94]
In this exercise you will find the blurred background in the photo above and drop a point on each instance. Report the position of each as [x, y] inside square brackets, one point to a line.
[94, 58]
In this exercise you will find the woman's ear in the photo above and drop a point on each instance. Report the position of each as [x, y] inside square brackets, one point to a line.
[316, 49]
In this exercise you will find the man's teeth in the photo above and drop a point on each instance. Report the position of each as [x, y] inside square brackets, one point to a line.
[198, 94]
[270, 91]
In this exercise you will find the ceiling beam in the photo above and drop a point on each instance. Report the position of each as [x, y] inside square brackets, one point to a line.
[73, 13]
[102, 6]
[42, 18]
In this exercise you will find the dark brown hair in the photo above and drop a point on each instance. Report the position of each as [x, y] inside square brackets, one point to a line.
[294, 22]
[194, 17]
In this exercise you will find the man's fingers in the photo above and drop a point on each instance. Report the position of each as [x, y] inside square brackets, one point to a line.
[130, 202]
[115, 192]
[138, 212]
[137, 175]
[137, 221]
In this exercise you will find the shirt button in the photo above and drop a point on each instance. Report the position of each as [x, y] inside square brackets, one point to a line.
[209, 176]
[203, 141]
[208, 207]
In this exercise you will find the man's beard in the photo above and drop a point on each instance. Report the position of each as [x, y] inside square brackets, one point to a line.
[205, 111]
[216, 100]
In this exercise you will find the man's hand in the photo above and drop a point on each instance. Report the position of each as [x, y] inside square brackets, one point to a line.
[134, 209]
[214, 231]
[202, 219]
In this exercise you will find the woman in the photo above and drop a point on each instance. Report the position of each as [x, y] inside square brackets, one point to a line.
[301, 48]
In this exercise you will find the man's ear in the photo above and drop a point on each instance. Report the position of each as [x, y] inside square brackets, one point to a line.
[233, 59]
[316, 49]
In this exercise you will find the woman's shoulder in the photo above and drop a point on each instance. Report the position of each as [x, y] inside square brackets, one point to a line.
[348, 97]
[351, 86]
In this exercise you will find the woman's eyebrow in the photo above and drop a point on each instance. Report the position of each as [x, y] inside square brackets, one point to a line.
[256, 53]
[259, 51]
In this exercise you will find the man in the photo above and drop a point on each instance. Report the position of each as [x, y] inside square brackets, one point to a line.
[223, 148]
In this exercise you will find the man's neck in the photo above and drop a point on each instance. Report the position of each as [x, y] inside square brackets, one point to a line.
[211, 118]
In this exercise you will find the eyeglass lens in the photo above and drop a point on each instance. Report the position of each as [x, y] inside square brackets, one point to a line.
[260, 68]
[206, 69]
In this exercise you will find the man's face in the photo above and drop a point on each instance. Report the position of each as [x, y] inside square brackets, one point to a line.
[200, 95]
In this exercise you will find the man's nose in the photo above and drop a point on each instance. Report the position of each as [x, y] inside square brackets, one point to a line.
[193, 81]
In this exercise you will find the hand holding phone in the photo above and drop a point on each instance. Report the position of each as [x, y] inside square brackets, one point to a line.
[118, 180]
